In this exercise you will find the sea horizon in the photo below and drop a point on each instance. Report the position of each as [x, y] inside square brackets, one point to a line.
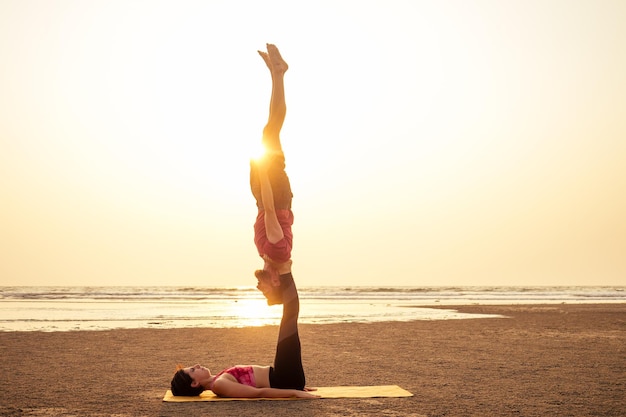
[71, 308]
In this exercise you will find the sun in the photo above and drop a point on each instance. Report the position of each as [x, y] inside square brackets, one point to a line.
[254, 312]
[257, 151]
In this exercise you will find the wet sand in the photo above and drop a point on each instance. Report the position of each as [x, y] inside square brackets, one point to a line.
[541, 360]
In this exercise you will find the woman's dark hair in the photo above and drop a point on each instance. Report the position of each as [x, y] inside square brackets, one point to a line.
[181, 384]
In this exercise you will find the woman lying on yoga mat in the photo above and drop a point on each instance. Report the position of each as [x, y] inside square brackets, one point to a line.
[273, 238]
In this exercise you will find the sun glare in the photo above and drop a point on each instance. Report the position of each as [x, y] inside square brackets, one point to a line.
[255, 312]
[257, 151]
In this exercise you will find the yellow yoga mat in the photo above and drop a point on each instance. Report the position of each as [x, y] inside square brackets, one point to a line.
[375, 391]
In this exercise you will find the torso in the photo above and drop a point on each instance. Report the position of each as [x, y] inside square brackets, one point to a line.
[280, 251]
[239, 374]
[262, 376]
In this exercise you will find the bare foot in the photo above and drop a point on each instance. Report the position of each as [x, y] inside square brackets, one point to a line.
[266, 58]
[273, 60]
[278, 63]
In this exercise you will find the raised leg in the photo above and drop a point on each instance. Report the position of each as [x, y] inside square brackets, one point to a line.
[278, 106]
[288, 370]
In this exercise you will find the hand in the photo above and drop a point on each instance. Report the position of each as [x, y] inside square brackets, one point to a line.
[306, 394]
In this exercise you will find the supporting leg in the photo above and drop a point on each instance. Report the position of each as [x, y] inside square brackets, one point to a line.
[288, 370]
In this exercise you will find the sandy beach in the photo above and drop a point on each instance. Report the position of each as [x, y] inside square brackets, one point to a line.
[541, 360]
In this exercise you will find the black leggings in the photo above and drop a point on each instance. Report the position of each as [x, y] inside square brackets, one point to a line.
[287, 371]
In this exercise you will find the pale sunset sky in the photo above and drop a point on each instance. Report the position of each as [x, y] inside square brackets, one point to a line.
[428, 143]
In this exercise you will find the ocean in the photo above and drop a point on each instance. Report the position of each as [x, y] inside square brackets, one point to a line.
[104, 308]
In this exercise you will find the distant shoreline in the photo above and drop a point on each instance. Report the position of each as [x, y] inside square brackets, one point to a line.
[106, 308]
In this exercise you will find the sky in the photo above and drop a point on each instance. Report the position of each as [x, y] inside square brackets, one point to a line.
[428, 143]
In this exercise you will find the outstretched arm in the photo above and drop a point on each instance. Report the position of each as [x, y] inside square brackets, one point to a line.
[226, 388]
[273, 230]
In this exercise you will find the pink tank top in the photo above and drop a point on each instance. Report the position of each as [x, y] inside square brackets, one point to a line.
[243, 374]
[280, 251]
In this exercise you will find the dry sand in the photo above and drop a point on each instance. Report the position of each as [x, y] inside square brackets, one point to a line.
[542, 360]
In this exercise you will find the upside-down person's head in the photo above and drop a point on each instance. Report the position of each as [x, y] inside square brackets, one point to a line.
[274, 269]
[183, 384]
[268, 273]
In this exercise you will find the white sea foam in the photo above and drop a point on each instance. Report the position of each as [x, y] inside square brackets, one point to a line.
[103, 308]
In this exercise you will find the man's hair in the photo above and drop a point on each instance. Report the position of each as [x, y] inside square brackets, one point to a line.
[181, 384]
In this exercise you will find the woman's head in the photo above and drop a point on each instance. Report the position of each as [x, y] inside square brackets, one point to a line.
[183, 385]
